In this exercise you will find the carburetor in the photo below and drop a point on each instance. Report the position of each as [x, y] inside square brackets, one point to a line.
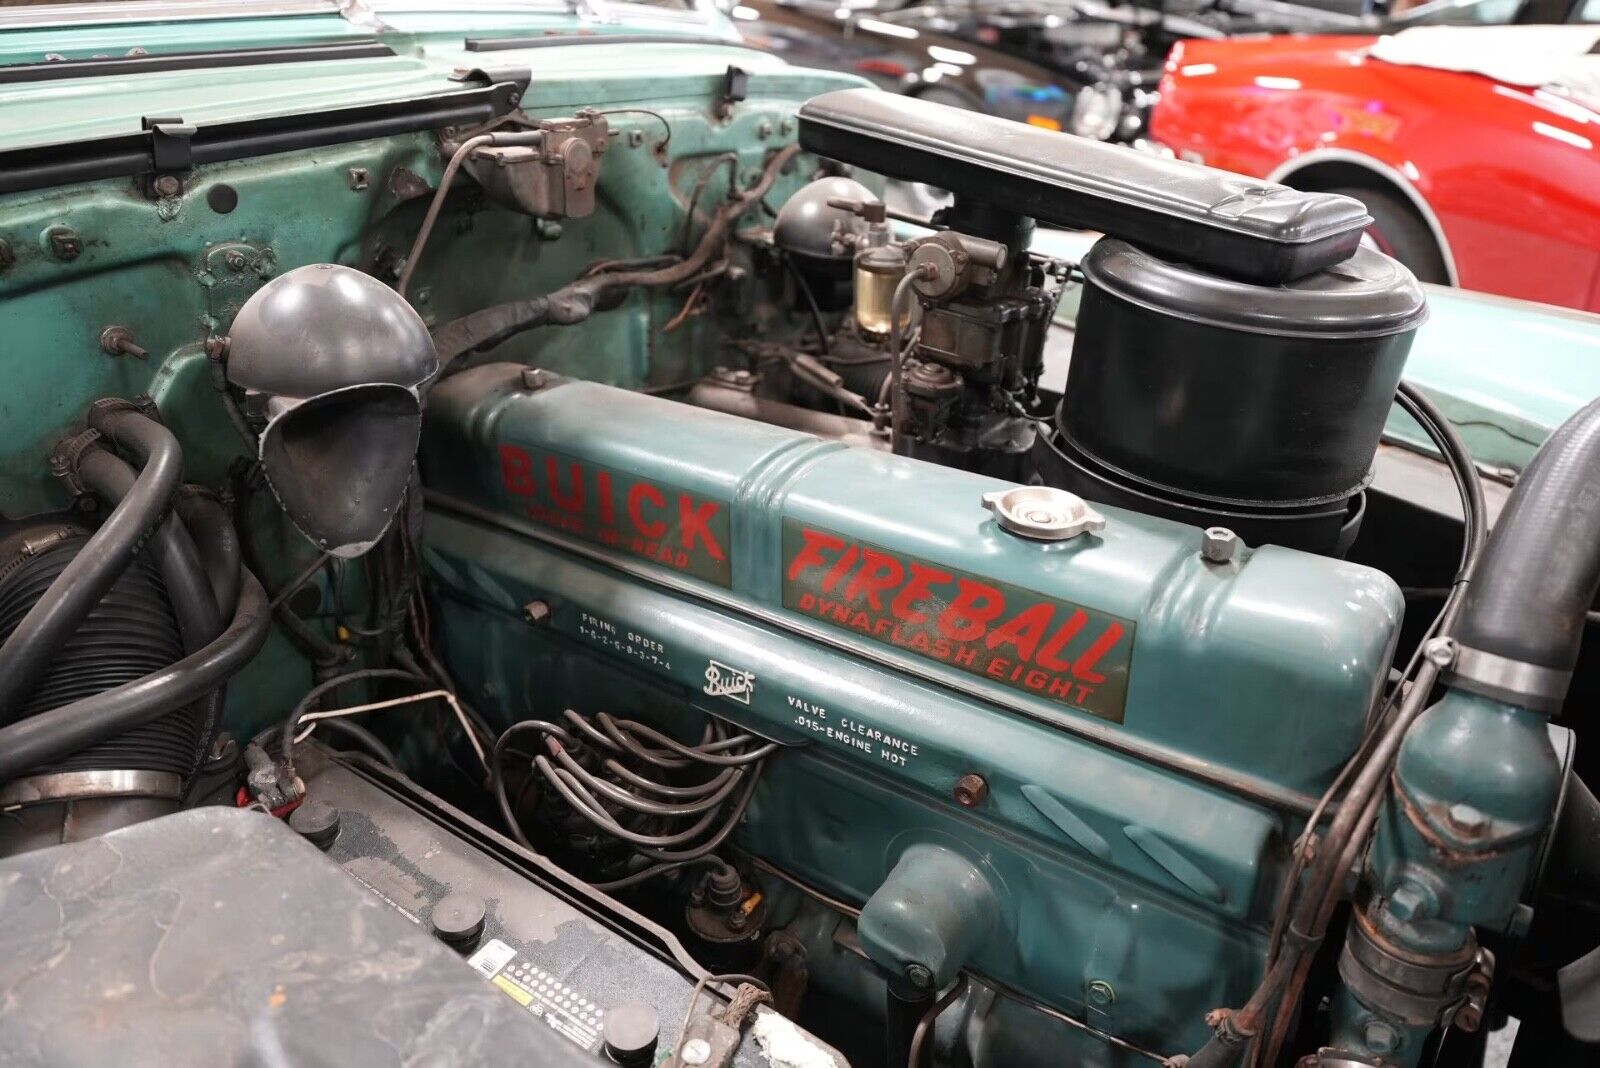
[960, 391]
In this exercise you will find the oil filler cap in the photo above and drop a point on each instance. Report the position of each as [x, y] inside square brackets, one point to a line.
[1043, 513]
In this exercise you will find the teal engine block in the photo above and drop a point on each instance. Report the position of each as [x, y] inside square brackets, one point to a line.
[1070, 767]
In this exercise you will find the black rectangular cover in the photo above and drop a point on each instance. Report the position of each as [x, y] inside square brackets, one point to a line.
[1233, 225]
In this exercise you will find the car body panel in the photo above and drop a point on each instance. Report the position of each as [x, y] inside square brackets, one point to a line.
[905, 58]
[1511, 174]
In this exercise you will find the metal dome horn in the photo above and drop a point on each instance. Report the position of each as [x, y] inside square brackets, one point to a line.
[333, 359]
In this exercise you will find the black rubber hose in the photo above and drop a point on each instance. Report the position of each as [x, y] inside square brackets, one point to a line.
[172, 548]
[363, 738]
[212, 529]
[60, 731]
[1537, 578]
[26, 654]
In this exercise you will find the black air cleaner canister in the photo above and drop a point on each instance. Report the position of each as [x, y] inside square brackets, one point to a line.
[1219, 402]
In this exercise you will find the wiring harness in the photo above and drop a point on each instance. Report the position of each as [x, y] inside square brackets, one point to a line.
[671, 804]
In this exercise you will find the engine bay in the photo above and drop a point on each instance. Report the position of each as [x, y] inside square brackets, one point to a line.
[574, 580]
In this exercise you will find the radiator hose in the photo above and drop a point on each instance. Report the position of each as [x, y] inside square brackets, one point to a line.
[1523, 619]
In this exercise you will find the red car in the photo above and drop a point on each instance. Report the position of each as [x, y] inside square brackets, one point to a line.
[1475, 149]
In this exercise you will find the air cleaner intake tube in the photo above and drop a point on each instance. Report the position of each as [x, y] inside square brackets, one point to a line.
[27, 652]
[53, 734]
[191, 590]
[1522, 622]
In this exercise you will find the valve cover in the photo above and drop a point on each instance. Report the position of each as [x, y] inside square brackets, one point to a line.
[1146, 721]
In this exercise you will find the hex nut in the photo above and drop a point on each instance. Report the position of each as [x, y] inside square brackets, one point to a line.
[971, 790]
[1101, 993]
[168, 185]
[537, 613]
[1219, 545]
[919, 976]
[534, 379]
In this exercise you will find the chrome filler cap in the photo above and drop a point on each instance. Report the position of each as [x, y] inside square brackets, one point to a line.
[1043, 513]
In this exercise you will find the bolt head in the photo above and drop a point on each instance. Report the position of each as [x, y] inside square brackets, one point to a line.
[63, 243]
[971, 790]
[1101, 993]
[533, 378]
[919, 976]
[1466, 820]
[1219, 545]
[1410, 902]
[1380, 1036]
[536, 613]
[168, 185]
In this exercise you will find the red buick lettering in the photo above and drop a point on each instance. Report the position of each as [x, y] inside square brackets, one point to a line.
[664, 524]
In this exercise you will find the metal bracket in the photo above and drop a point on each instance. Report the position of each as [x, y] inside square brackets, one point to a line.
[520, 77]
[171, 143]
[735, 87]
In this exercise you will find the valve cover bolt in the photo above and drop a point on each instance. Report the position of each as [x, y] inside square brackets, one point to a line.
[536, 613]
[1219, 545]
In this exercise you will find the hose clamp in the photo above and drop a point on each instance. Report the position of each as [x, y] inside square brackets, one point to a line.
[78, 785]
[1532, 686]
[68, 453]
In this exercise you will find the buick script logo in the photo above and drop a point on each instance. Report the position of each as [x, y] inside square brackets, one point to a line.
[730, 682]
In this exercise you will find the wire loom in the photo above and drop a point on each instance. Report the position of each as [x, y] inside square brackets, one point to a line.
[673, 807]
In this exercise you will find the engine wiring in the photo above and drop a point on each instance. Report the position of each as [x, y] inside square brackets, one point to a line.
[674, 807]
